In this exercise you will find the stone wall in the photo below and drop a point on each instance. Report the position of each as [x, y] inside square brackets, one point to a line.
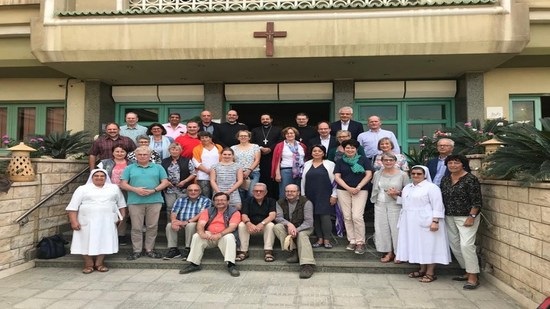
[17, 242]
[517, 245]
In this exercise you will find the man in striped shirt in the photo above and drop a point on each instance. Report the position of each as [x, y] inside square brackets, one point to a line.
[184, 216]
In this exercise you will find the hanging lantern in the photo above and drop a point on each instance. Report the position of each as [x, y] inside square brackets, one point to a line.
[20, 167]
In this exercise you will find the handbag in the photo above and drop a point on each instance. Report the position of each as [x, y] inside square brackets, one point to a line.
[246, 184]
[51, 247]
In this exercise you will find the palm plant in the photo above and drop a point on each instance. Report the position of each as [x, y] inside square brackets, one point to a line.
[469, 136]
[59, 145]
[526, 155]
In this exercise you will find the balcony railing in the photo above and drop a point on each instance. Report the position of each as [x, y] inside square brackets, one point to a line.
[137, 7]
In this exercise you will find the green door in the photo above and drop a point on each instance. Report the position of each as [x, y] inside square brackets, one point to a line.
[408, 119]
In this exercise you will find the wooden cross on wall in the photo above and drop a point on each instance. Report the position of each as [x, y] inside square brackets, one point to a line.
[270, 34]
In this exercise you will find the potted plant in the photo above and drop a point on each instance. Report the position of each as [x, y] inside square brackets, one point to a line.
[60, 145]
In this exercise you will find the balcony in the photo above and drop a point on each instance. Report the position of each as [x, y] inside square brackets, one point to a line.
[139, 7]
[190, 42]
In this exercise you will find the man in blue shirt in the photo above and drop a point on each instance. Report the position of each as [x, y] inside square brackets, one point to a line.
[436, 166]
[369, 139]
[184, 216]
[144, 181]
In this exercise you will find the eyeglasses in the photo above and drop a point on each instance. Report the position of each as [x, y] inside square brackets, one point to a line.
[288, 191]
[416, 174]
[388, 160]
[258, 191]
[193, 190]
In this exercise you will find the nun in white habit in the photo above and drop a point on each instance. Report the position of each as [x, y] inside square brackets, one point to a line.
[94, 211]
[422, 237]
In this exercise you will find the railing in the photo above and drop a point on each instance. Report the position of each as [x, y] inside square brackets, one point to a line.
[23, 219]
[136, 7]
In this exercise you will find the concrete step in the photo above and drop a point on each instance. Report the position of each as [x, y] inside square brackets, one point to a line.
[355, 264]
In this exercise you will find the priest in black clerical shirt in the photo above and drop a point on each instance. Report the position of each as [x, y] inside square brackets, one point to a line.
[230, 128]
[267, 136]
[306, 131]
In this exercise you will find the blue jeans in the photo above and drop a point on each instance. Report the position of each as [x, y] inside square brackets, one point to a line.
[286, 179]
[254, 179]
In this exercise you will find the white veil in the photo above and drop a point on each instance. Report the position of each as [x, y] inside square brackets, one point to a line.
[426, 172]
[107, 178]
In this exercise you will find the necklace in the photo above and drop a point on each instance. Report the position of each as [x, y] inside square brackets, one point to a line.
[266, 135]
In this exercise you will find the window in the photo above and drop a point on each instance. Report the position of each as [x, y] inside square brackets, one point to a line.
[150, 113]
[409, 120]
[19, 121]
[529, 109]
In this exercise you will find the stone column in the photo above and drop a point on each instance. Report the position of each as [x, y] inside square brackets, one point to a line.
[214, 99]
[469, 103]
[343, 95]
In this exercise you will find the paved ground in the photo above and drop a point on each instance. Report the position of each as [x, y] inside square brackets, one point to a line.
[165, 288]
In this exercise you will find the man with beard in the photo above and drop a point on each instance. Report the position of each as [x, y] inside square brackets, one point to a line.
[229, 129]
[267, 136]
[306, 131]
[102, 147]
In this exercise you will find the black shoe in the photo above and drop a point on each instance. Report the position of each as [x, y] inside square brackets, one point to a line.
[306, 271]
[134, 256]
[172, 254]
[122, 241]
[153, 254]
[190, 268]
[293, 258]
[233, 271]
[185, 254]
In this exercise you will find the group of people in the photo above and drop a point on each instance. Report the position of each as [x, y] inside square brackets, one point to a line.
[221, 183]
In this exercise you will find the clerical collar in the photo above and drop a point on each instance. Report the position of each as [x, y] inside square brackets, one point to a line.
[265, 127]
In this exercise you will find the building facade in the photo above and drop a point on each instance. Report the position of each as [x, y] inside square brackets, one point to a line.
[419, 64]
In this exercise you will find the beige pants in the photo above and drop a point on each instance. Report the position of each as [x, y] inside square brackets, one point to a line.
[462, 240]
[172, 236]
[169, 200]
[150, 214]
[305, 251]
[227, 245]
[353, 208]
[244, 236]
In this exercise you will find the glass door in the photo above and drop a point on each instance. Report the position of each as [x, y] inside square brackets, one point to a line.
[409, 120]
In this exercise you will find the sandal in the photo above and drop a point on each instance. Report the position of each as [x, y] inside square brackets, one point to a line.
[88, 270]
[428, 278]
[471, 286]
[417, 274]
[241, 256]
[461, 278]
[388, 258]
[316, 245]
[101, 268]
[268, 256]
[328, 245]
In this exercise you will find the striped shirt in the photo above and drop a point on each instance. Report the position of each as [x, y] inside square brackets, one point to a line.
[185, 208]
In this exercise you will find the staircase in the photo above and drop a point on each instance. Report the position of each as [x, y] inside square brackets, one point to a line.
[335, 260]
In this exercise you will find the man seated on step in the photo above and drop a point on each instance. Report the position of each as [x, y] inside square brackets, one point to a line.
[295, 220]
[257, 214]
[217, 226]
[184, 216]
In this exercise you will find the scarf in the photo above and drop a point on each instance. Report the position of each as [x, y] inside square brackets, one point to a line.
[297, 160]
[352, 162]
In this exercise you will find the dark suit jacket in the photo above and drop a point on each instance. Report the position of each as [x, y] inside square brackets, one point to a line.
[333, 143]
[354, 127]
[432, 167]
[216, 138]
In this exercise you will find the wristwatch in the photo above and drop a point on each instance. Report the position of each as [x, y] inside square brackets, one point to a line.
[473, 215]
